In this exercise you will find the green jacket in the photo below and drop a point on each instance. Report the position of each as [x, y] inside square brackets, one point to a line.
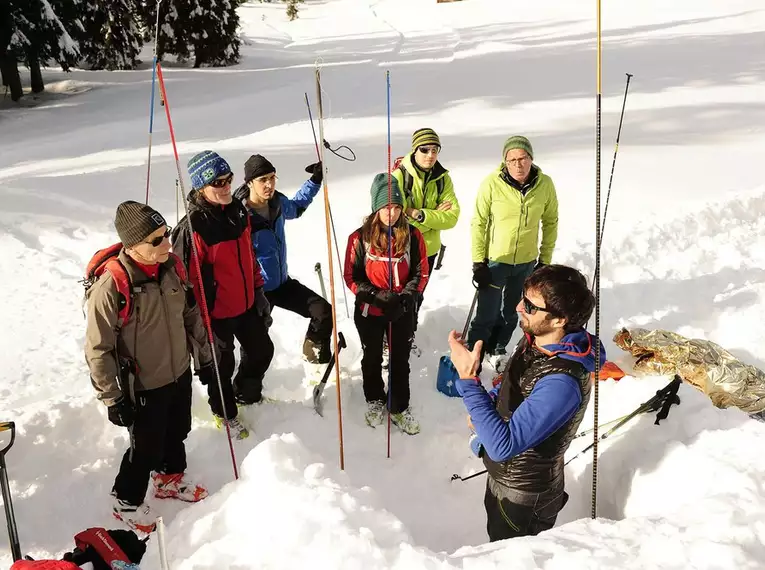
[505, 225]
[428, 200]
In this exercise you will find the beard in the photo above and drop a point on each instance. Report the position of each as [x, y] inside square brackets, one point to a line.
[541, 328]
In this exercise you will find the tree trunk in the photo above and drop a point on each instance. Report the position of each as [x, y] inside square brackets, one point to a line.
[36, 76]
[11, 77]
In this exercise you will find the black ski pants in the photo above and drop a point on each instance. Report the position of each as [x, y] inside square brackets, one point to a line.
[296, 297]
[257, 352]
[527, 514]
[162, 423]
[372, 329]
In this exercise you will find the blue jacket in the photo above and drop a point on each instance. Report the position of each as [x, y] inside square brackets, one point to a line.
[268, 236]
[553, 401]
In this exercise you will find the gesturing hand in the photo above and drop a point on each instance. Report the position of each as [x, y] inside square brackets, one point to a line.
[465, 361]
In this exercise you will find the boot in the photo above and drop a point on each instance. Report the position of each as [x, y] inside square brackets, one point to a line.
[138, 517]
[406, 422]
[176, 486]
[236, 426]
[375, 413]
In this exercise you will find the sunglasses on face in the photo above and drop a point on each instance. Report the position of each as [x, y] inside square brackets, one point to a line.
[428, 149]
[222, 182]
[157, 241]
[530, 308]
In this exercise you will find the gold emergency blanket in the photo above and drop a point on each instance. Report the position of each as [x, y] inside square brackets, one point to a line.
[702, 363]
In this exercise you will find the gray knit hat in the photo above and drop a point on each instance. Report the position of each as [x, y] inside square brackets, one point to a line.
[135, 222]
[379, 192]
[517, 142]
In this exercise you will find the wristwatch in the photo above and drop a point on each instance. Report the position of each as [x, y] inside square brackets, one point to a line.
[420, 216]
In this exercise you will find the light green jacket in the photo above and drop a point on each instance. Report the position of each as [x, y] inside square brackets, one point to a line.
[505, 225]
[427, 200]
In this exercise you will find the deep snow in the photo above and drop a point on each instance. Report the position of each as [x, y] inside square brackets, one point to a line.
[683, 251]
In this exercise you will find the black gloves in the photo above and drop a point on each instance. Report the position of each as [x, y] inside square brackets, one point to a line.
[482, 274]
[121, 413]
[263, 307]
[316, 171]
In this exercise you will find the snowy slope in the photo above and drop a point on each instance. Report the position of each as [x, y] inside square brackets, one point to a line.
[683, 251]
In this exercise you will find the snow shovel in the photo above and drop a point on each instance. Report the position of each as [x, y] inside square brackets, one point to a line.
[447, 373]
[13, 532]
[318, 390]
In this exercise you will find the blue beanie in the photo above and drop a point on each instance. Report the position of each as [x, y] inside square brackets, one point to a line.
[205, 167]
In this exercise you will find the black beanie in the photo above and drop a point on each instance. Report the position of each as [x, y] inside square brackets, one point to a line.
[135, 222]
[257, 166]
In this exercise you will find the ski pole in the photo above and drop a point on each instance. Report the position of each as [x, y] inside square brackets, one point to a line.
[151, 105]
[663, 398]
[613, 163]
[162, 545]
[197, 266]
[320, 155]
[390, 264]
[457, 477]
[13, 532]
[328, 223]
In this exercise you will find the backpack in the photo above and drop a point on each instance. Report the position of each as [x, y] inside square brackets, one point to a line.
[408, 180]
[107, 260]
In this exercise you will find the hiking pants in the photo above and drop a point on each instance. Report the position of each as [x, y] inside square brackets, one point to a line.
[521, 514]
[371, 331]
[495, 317]
[257, 351]
[296, 297]
[162, 422]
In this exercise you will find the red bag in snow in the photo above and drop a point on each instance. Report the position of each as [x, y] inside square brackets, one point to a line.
[44, 565]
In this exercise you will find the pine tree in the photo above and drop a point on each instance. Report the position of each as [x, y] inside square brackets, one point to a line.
[111, 38]
[205, 28]
[37, 37]
[292, 8]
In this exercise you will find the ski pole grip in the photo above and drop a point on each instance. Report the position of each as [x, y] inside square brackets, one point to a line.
[8, 426]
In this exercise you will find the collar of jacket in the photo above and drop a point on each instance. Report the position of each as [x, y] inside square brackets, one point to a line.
[138, 277]
[523, 188]
[413, 168]
[274, 211]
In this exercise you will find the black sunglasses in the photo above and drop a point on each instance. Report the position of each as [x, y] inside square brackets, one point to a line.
[530, 308]
[157, 241]
[221, 182]
[428, 150]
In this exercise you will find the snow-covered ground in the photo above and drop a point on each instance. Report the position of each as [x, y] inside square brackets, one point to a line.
[683, 251]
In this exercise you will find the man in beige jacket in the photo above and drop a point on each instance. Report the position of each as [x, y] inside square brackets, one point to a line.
[141, 369]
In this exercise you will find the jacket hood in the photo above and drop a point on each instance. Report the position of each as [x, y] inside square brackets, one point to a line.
[436, 172]
[578, 346]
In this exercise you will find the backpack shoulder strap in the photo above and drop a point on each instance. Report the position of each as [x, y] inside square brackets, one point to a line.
[124, 290]
[439, 188]
[179, 267]
[407, 182]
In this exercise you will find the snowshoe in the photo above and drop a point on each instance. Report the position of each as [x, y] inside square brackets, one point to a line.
[176, 486]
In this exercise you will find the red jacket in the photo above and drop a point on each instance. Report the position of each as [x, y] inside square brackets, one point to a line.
[44, 565]
[367, 271]
[230, 273]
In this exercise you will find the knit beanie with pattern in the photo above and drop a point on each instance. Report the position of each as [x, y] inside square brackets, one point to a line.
[424, 136]
[205, 167]
[135, 222]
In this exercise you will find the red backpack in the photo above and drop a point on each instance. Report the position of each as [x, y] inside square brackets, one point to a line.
[107, 260]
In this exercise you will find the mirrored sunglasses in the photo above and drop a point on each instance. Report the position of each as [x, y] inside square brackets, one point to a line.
[429, 149]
